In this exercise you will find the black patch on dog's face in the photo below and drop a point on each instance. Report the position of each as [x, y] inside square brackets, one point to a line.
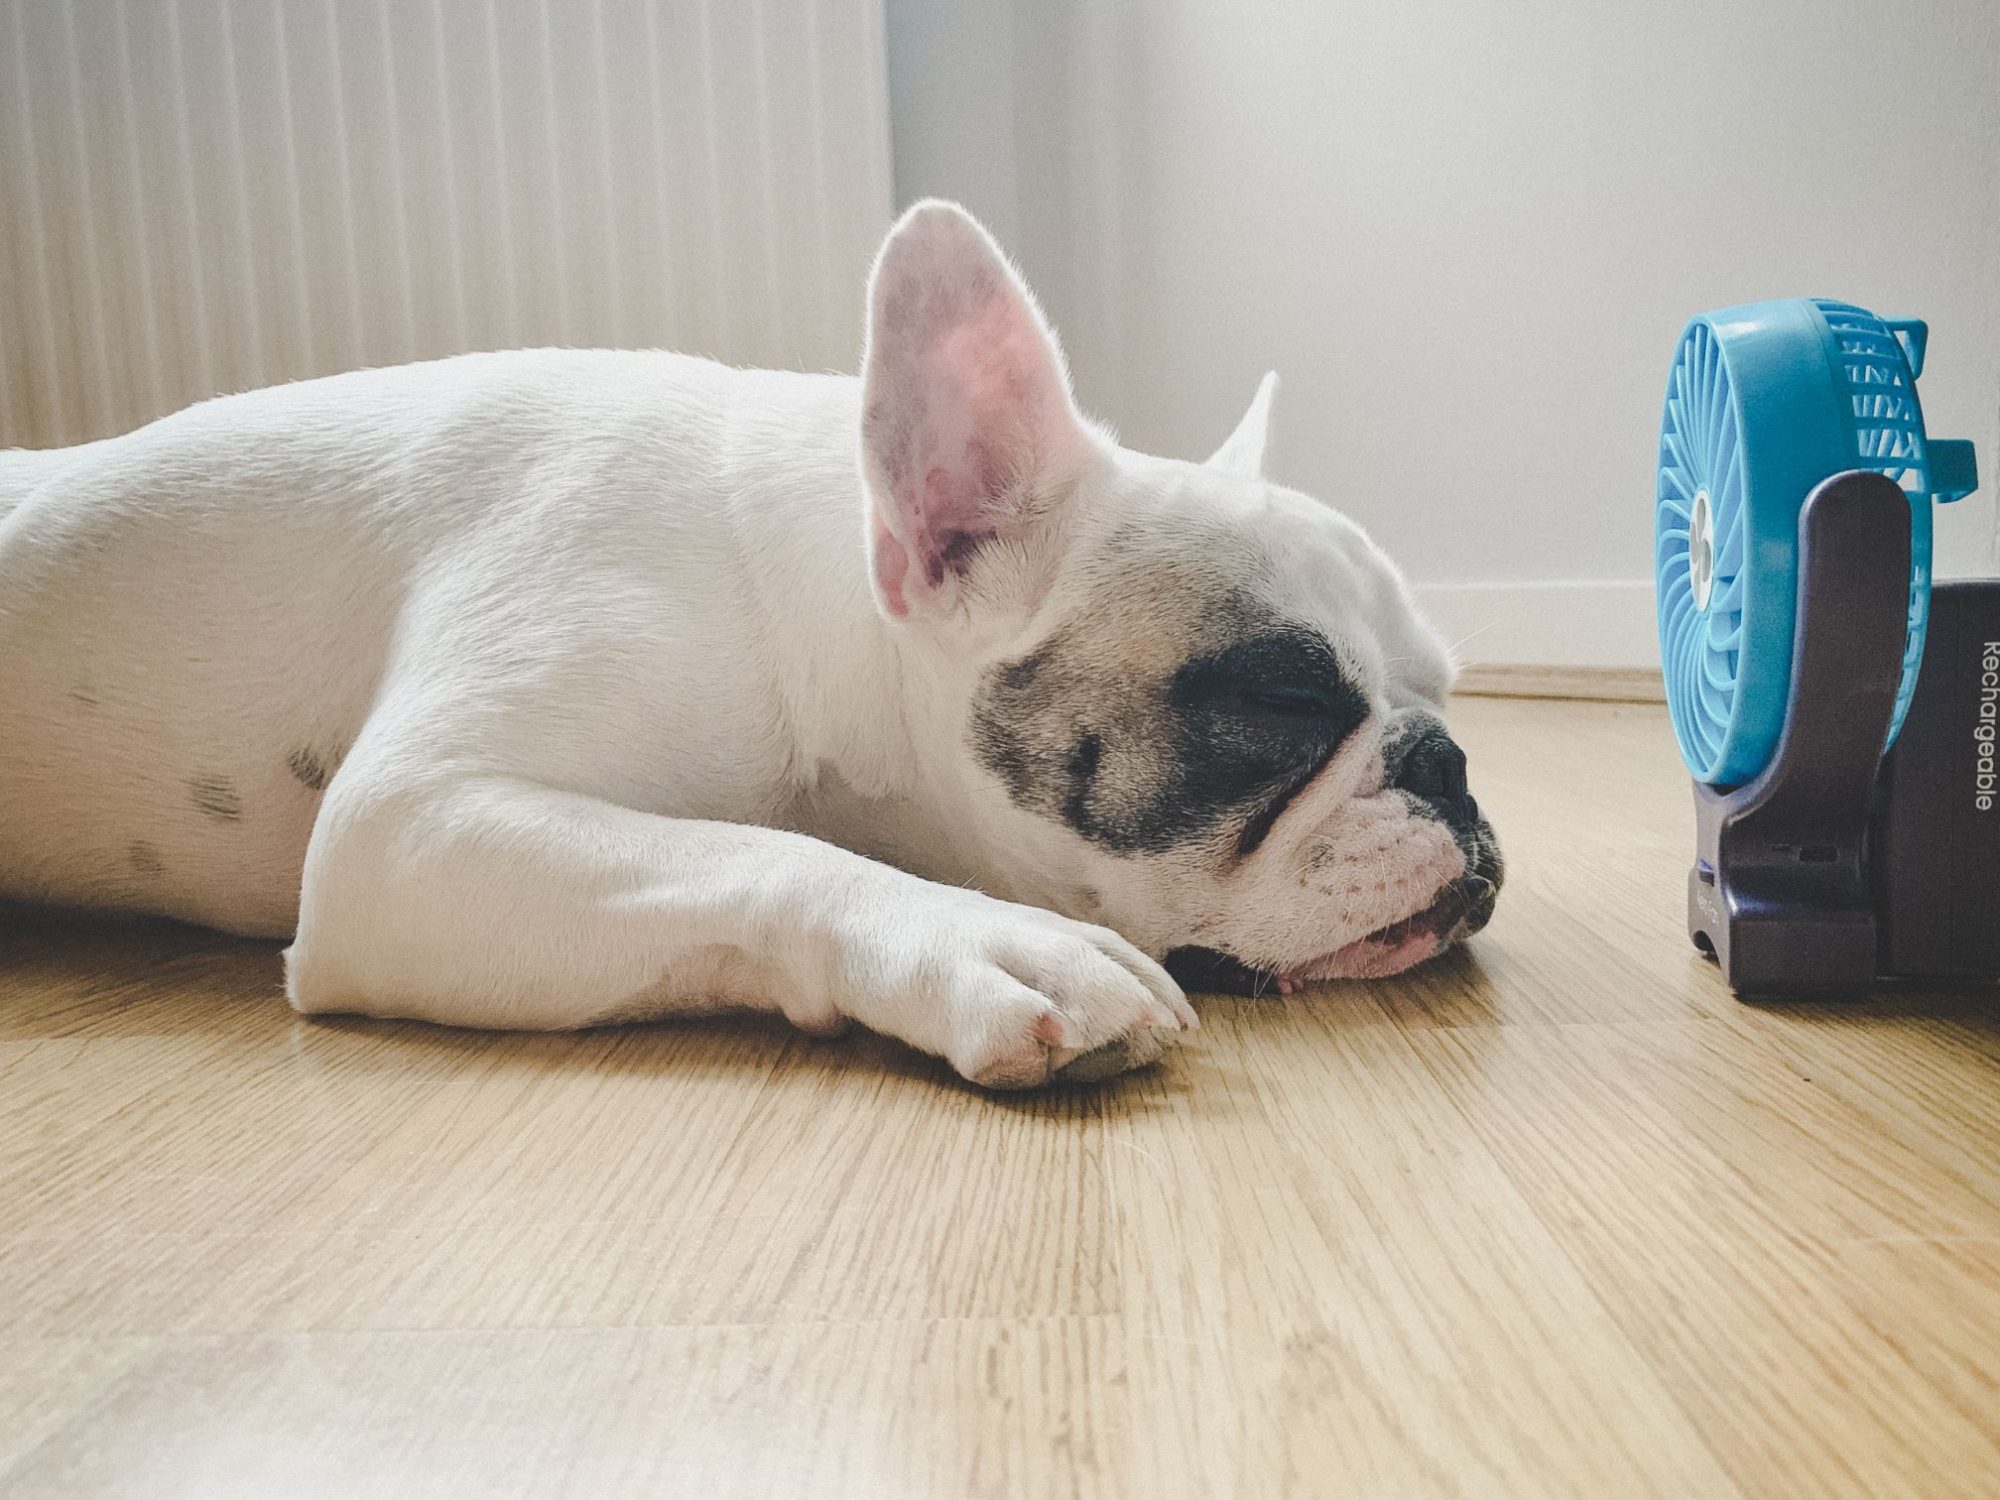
[1143, 759]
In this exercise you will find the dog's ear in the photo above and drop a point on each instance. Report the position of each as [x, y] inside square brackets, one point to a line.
[1242, 452]
[970, 439]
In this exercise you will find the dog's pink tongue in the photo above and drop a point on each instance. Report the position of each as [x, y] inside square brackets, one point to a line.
[1374, 957]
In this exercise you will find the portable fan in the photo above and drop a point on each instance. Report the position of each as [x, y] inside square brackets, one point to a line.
[1840, 714]
[1764, 402]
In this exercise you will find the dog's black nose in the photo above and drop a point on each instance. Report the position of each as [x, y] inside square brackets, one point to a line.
[1433, 767]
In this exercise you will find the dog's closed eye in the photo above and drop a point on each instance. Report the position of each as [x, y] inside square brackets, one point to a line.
[1289, 675]
[1287, 698]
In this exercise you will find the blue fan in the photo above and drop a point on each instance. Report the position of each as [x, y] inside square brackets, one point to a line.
[1764, 402]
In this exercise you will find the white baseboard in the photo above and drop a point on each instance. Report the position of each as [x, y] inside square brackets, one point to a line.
[1545, 624]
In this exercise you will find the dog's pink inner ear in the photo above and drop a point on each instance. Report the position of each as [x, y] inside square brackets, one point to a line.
[968, 412]
[966, 405]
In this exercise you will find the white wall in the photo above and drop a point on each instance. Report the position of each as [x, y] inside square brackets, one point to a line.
[1467, 233]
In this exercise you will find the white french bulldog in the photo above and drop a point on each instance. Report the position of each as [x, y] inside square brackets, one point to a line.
[551, 688]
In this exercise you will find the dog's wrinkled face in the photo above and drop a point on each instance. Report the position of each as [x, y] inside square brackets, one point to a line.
[1188, 703]
[1237, 711]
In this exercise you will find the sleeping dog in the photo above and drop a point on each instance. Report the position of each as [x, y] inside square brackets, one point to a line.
[551, 688]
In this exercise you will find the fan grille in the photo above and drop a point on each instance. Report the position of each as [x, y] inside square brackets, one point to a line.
[1888, 424]
[1881, 391]
[1701, 472]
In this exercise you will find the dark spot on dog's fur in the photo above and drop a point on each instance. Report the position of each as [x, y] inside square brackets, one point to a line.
[959, 547]
[145, 860]
[1146, 757]
[1019, 676]
[216, 798]
[308, 770]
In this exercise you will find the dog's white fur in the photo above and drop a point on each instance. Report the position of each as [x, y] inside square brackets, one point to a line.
[633, 700]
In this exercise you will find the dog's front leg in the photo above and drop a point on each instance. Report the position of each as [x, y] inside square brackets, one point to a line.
[493, 902]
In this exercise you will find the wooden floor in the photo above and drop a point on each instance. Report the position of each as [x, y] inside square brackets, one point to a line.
[1554, 1217]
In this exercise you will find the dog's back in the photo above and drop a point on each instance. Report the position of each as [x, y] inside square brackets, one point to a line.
[23, 471]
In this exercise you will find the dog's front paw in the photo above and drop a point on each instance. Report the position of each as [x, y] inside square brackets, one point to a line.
[1018, 997]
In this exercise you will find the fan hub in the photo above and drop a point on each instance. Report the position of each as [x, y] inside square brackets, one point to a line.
[1701, 550]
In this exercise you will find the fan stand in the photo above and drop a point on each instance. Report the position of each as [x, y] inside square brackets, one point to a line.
[1780, 893]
